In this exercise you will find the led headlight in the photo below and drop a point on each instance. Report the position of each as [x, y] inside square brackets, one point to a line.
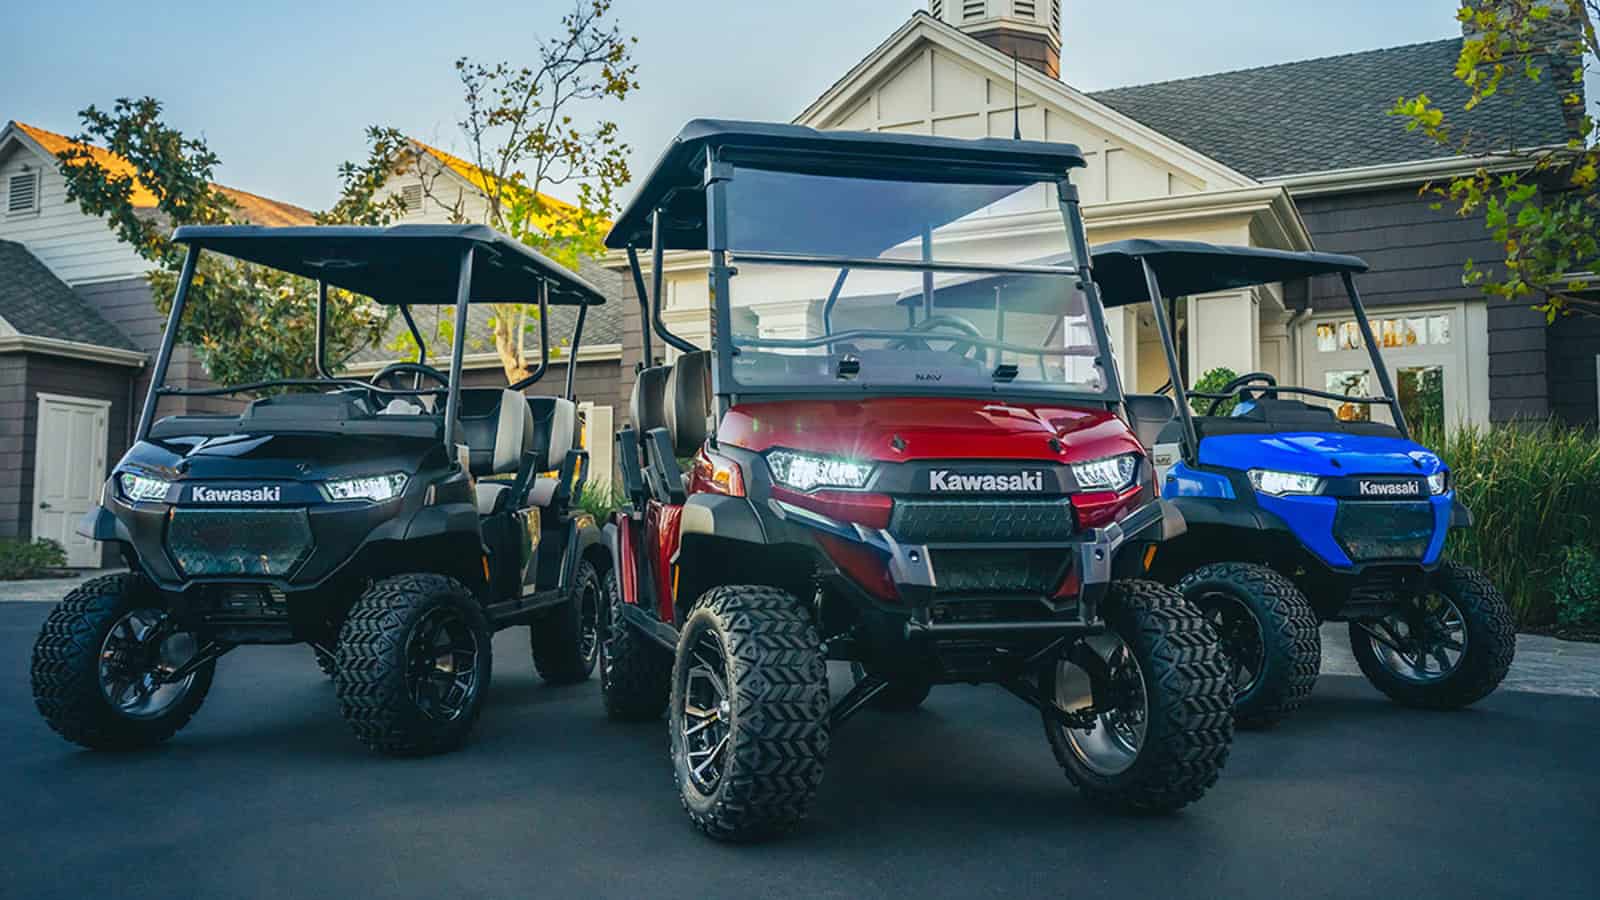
[804, 471]
[142, 487]
[1268, 481]
[376, 488]
[1113, 473]
[1439, 482]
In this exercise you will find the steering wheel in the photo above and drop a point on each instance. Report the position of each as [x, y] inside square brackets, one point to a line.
[1237, 384]
[419, 371]
[956, 323]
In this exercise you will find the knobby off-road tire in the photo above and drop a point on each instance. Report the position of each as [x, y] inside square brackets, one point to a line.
[66, 671]
[774, 717]
[896, 696]
[1189, 700]
[380, 665]
[635, 671]
[1284, 627]
[566, 643]
[1490, 646]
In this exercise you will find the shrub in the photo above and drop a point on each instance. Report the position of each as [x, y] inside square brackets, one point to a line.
[1534, 491]
[1577, 588]
[1212, 382]
[30, 559]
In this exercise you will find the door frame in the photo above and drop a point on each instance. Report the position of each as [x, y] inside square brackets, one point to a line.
[104, 408]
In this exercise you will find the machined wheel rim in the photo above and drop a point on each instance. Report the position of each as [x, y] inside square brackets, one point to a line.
[589, 623]
[1243, 644]
[1423, 641]
[705, 722]
[442, 664]
[1121, 708]
[138, 653]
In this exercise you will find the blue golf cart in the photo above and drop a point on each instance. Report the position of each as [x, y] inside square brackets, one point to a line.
[1298, 516]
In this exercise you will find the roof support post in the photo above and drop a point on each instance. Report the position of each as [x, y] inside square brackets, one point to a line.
[1180, 387]
[644, 307]
[1378, 368]
[452, 397]
[158, 375]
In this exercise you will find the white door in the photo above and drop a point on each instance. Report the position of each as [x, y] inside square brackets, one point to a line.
[69, 466]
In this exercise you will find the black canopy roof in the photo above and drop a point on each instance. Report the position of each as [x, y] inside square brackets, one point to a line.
[797, 148]
[1185, 268]
[411, 264]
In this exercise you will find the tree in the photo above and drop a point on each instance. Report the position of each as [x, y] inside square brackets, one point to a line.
[1541, 204]
[523, 138]
[246, 323]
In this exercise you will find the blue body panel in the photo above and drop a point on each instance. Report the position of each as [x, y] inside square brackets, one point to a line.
[1325, 454]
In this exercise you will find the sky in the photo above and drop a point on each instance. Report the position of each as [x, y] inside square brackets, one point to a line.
[282, 92]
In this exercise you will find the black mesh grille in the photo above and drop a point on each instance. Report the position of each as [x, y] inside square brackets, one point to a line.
[207, 542]
[997, 571]
[962, 521]
[1383, 529]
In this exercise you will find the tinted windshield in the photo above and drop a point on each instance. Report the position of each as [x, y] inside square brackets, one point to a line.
[970, 330]
[860, 218]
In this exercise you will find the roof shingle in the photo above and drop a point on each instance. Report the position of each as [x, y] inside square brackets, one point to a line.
[37, 303]
[1331, 113]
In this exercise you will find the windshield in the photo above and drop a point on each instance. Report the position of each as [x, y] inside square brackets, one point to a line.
[868, 284]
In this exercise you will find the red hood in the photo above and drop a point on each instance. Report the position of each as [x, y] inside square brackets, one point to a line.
[896, 429]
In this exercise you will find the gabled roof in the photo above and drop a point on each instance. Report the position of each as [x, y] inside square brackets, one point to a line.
[1328, 114]
[922, 27]
[36, 303]
[252, 208]
[485, 182]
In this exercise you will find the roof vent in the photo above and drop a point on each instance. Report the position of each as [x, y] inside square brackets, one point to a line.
[22, 193]
[411, 196]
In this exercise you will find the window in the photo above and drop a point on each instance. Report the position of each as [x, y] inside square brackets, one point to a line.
[22, 193]
[411, 196]
[1399, 332]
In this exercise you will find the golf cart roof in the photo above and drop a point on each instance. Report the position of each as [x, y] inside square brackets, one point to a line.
[678, 176]
[1185, 268]
[400, 264]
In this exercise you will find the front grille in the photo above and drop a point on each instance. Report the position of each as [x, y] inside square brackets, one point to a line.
[258, 542]
[997, 571]
[976, 521]
[1376, 530]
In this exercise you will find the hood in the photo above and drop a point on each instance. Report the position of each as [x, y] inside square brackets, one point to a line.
[279, 457]
[1327, 454]
[901, 429]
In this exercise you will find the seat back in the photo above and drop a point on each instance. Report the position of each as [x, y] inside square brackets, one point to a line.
[1149, 414]
[555, 431]
[497, 427]
[688, 402]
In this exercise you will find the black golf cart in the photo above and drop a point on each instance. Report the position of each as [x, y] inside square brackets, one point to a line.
[892, 466]
[1299, 515]
[391, 524]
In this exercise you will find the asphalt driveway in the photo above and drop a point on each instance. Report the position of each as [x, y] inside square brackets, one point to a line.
[267, 795]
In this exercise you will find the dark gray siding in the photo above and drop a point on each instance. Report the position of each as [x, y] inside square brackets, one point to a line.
[1574, 344]
[128, 304]
[1417, 255]
[22, 377]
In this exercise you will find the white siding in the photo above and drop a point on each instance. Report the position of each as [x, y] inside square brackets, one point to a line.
[78, 248]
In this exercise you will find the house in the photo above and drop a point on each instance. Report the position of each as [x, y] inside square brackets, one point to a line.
[1295, 156]
[437, 187]
[78, 327]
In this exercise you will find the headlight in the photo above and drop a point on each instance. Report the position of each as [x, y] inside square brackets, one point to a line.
[1267, 481]
[376, 488]
[142, 487]
[804, 471]
[1110, 474]
[1439, 482]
